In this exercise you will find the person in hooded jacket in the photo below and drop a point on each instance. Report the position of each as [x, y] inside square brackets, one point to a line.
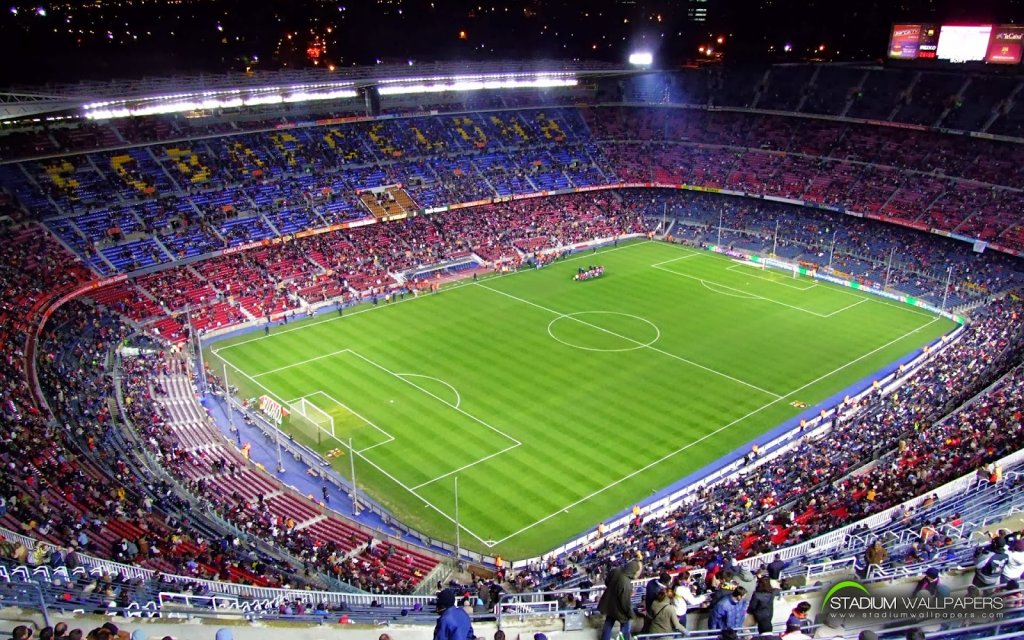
[617, 600]
[453, 623]
[762, 605]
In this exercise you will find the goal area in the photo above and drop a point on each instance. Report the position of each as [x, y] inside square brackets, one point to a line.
[310, 418]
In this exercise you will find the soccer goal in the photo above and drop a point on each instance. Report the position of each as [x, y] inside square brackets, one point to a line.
[308, 414]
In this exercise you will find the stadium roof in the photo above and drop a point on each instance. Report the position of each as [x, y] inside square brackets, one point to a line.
[160, 95]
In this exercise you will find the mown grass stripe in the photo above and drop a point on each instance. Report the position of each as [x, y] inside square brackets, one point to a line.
[586, 419]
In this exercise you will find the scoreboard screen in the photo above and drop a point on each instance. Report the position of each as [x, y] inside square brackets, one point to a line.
[994, 44]
[964, 44]
[914, 41]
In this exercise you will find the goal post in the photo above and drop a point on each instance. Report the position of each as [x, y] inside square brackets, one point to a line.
[304, 413]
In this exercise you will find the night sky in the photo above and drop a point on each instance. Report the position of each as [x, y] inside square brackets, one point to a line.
[64, 42]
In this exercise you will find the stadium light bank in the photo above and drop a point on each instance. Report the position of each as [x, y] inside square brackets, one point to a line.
[236, 98]
[641, 59]
[475, 83]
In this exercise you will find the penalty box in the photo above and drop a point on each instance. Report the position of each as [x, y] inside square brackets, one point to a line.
[402, 423]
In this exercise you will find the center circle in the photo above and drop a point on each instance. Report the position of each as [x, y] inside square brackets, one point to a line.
[636, 331]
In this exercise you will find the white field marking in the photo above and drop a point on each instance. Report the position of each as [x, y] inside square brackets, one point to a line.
[277, 397]
[364, 458]
[372, 446]
[413, 492]
[467, 466]
[741, 296]
[628, 339]
[344, 406]
[410, 298]
[637, 345]
[299, 364]
[882, 301]
[438, 398]
[856, 293]
[751, 265]
[840, 290]
[708, 435]
[458, 398]
[753, 296]
[251, 379]
[861, 301]
[397, 375]
[684, 257]
[515, 442]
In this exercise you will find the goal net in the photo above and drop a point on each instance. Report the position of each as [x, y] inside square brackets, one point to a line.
[306, 414]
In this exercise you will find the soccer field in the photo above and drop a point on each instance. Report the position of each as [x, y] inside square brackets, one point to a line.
[558, 403]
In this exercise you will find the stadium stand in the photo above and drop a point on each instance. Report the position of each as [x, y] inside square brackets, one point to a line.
[862, 248]
[212, 226]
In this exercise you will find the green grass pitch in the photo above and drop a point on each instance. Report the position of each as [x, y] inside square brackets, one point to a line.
[559, 403]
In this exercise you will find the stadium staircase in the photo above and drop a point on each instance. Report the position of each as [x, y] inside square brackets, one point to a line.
[189, 424]
[958, 97]
[805, 89]
[1006, 106]
[905, 97]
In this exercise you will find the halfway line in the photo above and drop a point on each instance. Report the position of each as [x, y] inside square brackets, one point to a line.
[628, 339]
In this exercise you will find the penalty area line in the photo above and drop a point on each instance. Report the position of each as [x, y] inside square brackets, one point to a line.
[436, 397]
[467, 466]
[367, 460]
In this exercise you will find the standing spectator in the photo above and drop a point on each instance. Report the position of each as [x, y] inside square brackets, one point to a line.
[663, 616]
[798, 615]
[775, 569]
[728, 612]
[990, 565]
[617, 600]
[453, 622]
[875, 554]
[762, 604]
[725, 586]
[682, 596]
[654, 587]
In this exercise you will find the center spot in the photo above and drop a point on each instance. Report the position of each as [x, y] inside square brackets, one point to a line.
[603, 331]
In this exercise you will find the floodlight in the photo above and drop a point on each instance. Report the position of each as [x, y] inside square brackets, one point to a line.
[641, 58]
